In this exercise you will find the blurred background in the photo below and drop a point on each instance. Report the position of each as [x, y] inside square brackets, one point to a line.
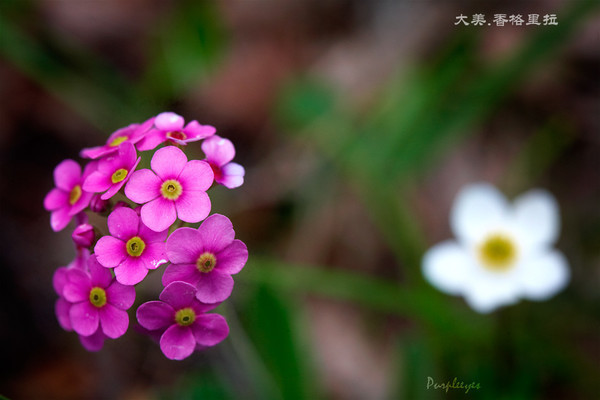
[357, 123]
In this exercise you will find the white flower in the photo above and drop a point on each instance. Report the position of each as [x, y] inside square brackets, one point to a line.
[502, 252]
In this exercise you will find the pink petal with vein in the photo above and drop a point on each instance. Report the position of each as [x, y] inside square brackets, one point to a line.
[168, 162]
[84, 318]
[214, 287]
[159, 214]
[192, 206]
[155, 315]
[177, 342]
[210, 329]
[143, 186]
[110, 251]
[114, 322]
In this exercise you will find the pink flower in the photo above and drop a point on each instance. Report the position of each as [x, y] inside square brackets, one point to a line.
[206, 258]
[68, 197]
[168, 126]
[183, 321]
[113, 172]
[98, 301]
[133, 249]
[219, 152]
[59, 280]
[176, 189]
[131, 134]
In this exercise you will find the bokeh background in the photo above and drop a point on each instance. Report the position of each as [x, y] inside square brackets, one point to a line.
[357, 122]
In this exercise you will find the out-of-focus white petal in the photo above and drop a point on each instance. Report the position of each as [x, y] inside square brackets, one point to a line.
[536, 219]
[485, 293]
[447, 266]
[478, 208]
[542, 276]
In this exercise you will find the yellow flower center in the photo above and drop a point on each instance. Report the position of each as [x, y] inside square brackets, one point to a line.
[118, 140]
[119, 175]
[498, 253]
[206, 262]
[185, 316]
[171, 189]
[98, 297]
[75, 194]
[135, 246]
[176, 135]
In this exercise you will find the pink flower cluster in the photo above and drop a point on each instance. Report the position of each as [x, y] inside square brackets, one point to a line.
[144, 212]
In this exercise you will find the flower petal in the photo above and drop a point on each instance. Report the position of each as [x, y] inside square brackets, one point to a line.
[78, 286]
[62, 308]
[196, 131]
[478, 208]
[187, 273]
[184, 246]
[84, 318]
[99, 276]
[232, 175]
[448, 267]
[151, 139]
[197, 175]
[214, 287]
[120, 296]
[216, 233]
[210, 329]
[543, 276]
[82, 203]
[143, 186]
[488, 290]
[154, 255]
[97, 152]
[192, 206]
[114, 322]
[177, 342]
[59, 219]
[56, 199]
[112, 190]
[168, 162]
[537, 219]
[232, 259]
[218, 150]
[67, 174]
[123, 223]
[60, 279]
[141, 131]
[169, 121]
[155, 315]
[159, 214]
[131, 271]
[97, 182]
[178, 295]
[150, 236]
[127, 155]
[93, 342]
[110, 251]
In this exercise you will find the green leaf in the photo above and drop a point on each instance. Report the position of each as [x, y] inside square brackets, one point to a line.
[271, 320]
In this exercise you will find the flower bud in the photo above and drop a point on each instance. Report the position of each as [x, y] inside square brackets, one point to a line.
[120, 204]
[98, 205]
[83, 235]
